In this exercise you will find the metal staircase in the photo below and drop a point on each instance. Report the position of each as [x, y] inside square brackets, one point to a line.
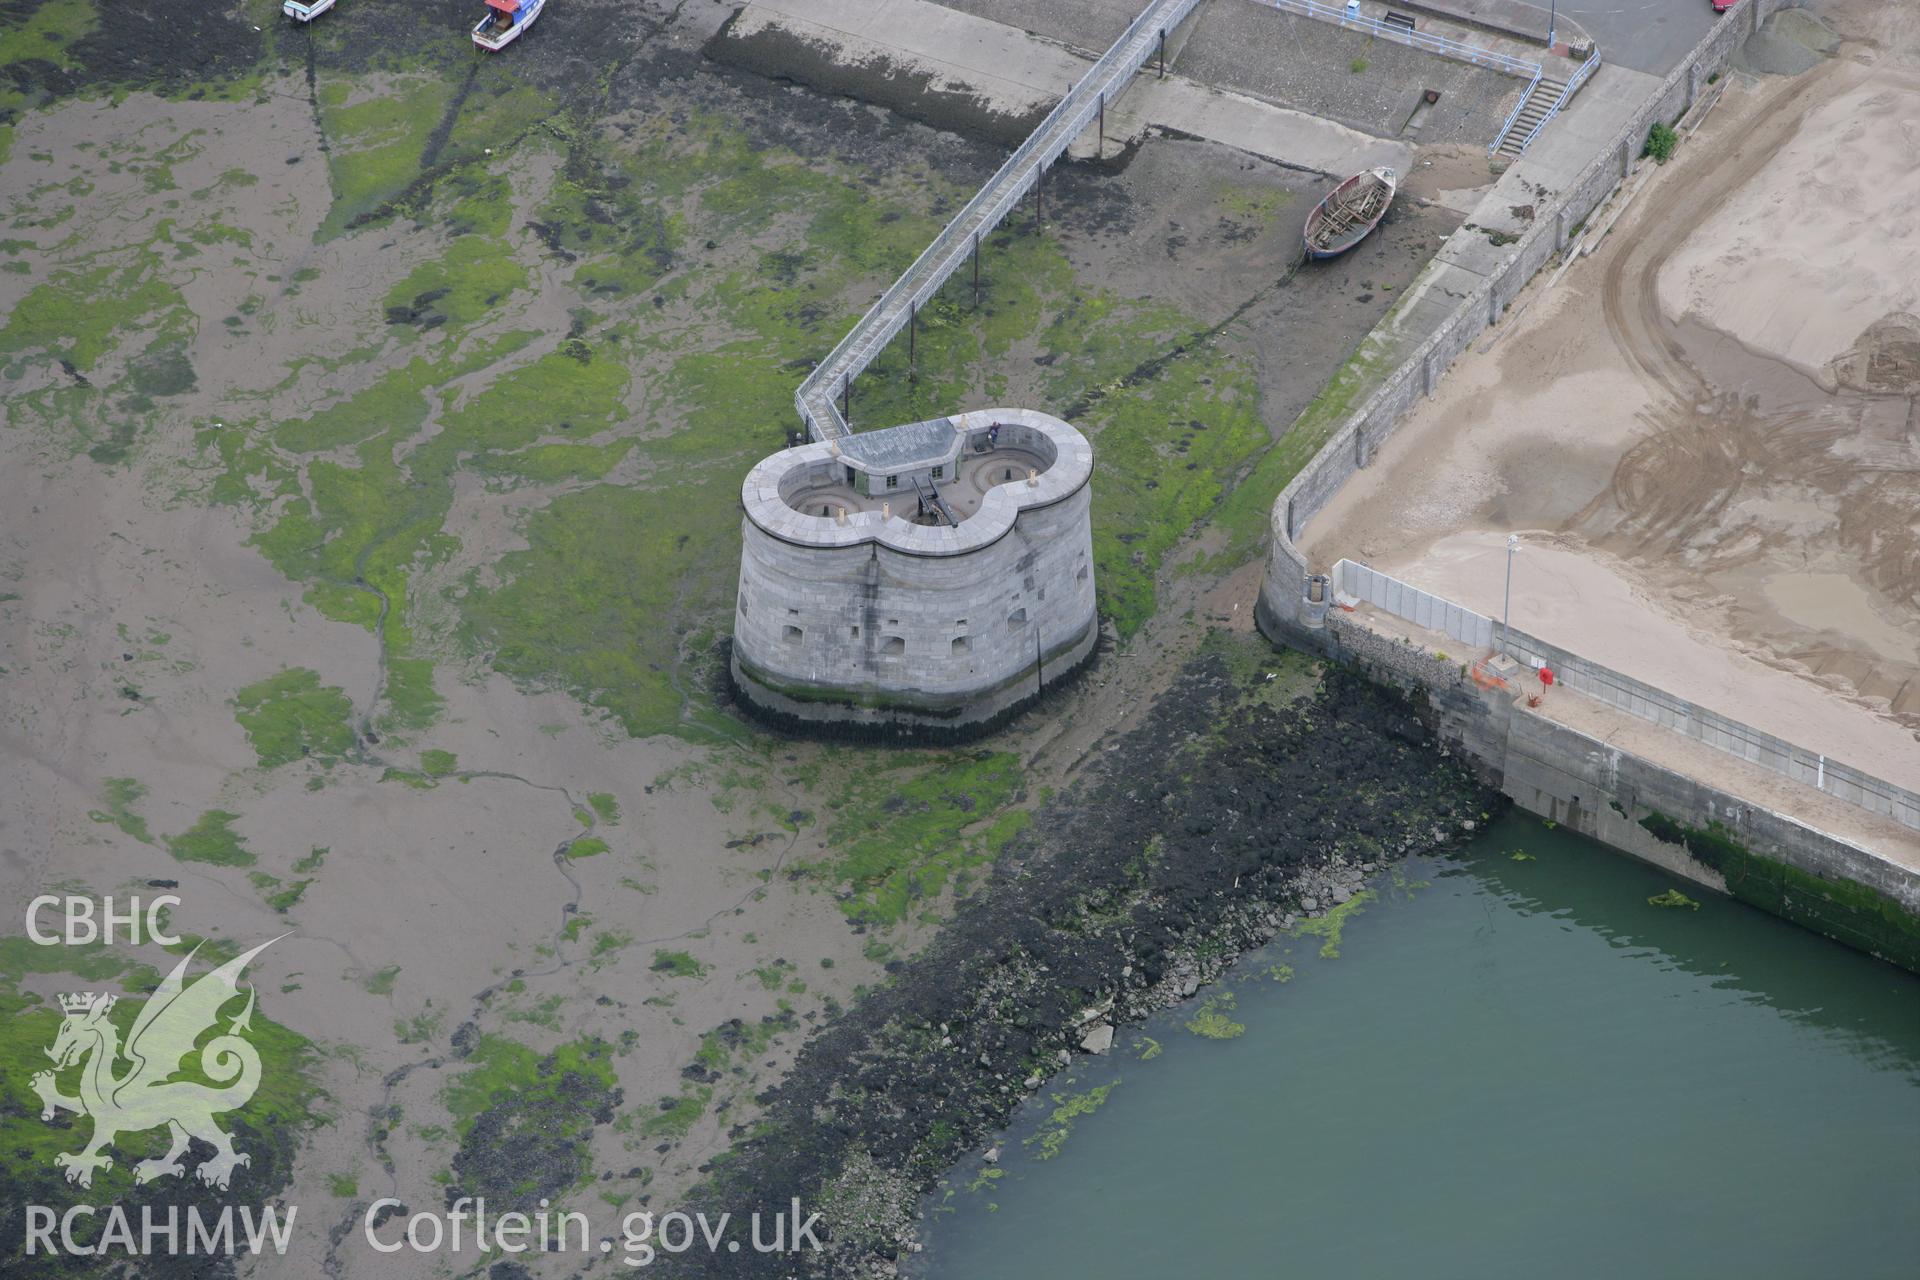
[1534, 109]
[1545, 99]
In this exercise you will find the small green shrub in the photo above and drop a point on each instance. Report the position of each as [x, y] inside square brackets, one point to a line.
[1357, 65]
[1661, 140]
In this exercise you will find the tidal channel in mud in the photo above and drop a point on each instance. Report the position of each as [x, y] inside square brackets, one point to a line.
[1514, 1065]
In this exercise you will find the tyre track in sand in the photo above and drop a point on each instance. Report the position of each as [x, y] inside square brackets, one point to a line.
[1733, 428]
[1675, 484]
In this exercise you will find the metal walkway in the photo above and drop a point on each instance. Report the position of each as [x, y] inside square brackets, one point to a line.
[989, 207]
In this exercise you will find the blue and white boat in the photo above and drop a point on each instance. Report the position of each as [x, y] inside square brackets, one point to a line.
[504, 22]
[305, 12]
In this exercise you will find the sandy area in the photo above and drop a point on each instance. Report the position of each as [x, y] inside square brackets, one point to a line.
[1799, 268]
[1724, 511]
[1584, 599]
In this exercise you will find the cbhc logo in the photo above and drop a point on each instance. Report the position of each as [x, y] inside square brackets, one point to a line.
[81, 924]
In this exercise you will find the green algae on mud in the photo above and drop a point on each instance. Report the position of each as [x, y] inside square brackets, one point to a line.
[906, 825]
[572, 610]
[465, 285]
[1154, 490]
[49, 32]
[678, 964]
[1247, 512]
[1174, 417]
[525, 1120]
[118, 799]
[76, 315]
[212, 839]
[353, 504]
[292, 716]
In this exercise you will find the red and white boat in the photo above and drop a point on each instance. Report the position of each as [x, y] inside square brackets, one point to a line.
[504, 22]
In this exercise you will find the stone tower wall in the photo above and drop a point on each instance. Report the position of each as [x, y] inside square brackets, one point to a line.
[884, 629]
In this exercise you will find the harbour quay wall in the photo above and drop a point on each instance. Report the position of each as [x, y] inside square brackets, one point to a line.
[1691, 828]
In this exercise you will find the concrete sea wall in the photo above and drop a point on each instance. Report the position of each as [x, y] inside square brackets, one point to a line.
[1691, 828]
[1636, 698]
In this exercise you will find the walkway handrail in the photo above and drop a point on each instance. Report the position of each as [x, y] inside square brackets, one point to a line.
[917, 285]
[1574, 82]
[1513, 115]
[1416, 39]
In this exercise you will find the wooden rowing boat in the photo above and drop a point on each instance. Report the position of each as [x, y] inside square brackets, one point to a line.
[1349, 212]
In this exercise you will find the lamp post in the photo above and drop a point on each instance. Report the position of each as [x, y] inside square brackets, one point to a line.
[1506, 610]
[1553, 20]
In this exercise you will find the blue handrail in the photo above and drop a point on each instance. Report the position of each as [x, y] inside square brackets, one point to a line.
[1573, 84]
[1514, 114]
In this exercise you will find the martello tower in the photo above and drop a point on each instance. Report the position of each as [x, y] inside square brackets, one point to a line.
[934, 574]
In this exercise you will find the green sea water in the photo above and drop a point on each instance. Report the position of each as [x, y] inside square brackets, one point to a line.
[1514, 1066]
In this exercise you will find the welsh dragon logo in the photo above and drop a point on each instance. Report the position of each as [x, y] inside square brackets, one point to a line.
[145, 1096]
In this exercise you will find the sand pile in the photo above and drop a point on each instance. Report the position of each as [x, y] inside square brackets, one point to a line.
[1789, 42]
[1886, 359]
[1822, 244]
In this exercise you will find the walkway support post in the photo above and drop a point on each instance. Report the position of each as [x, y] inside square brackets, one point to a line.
[913, 323]
[1100, 145]
[976, 268]
[1163, 53]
